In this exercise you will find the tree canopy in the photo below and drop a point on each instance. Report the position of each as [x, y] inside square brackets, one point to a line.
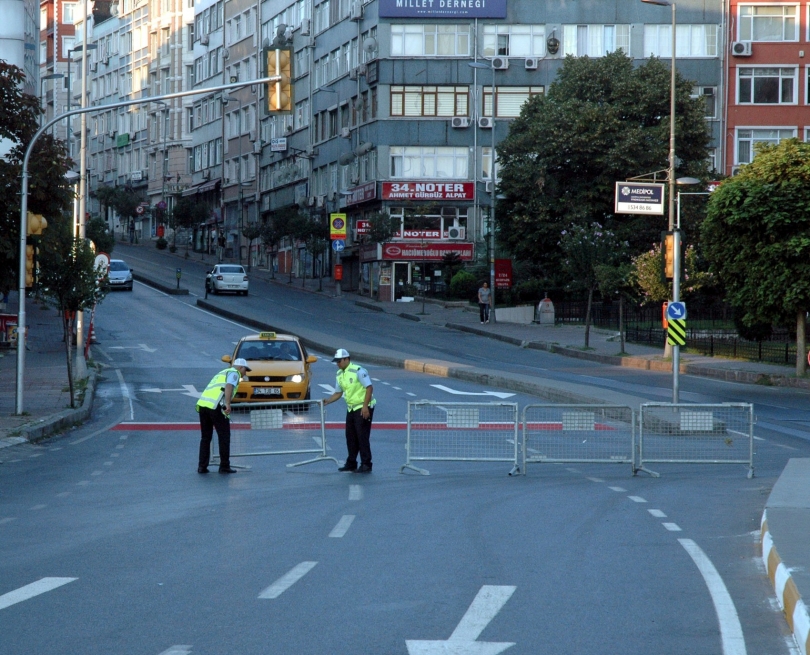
[756, 236]
[601, 121]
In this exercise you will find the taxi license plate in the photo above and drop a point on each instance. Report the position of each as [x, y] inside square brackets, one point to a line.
[267, 391]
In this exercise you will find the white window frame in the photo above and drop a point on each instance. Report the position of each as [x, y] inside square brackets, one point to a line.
[423, 162]
[596, 36]
[414, 101]
[690, 43]
[486, 164]
[744, 34]
[781, 69]
[700, 92]
[423, 39]
[495, 36]
[507, 92]
[69, 12]
[754, 140]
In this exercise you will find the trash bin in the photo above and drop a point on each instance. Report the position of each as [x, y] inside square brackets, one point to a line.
[545, 311]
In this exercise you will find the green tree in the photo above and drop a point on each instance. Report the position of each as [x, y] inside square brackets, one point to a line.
[601, 121]
[186, 213]
[274, 229]
[756, 237]
[97, 231]
[69, 282]
[251, 232]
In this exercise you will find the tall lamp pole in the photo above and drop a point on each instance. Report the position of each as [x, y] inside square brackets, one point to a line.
[491, 67]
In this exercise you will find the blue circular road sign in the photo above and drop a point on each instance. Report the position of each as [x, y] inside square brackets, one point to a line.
[338, 245]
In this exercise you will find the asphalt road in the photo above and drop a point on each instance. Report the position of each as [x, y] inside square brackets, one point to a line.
[131, 551]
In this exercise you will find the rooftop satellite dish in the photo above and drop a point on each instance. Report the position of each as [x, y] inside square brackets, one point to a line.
[363, 148]
[346, 158]
[370, 45]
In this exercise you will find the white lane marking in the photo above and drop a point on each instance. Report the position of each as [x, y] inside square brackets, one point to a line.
[177, 650]
[657, 513]
[572, 470]
[8, 519]
[388, 384]
[498, 394]
[410, 394]
[731, 634]
[672, 527]
[637, 499]
[328, 388]
[123, 436]
[187, 389]
[355, 492]
[758, 439]
[375, 379]
[342, 526]
[397, 388]
[119, 446]
[485, 607]
[108, 463]
[35, 455]
[35, 507]
[619, 489]
[115, 455]
[779, 445]
[287, 580]
[97, 473]
[62, 494]
[595, 479]
[83, 483]
[30, 590]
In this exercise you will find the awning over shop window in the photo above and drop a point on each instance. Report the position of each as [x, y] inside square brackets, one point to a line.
[202, 187]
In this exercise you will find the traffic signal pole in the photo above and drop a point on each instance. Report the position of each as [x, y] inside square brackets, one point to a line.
[21, 317]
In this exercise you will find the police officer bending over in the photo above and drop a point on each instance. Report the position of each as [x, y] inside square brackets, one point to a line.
[354, 384]
[214, 407]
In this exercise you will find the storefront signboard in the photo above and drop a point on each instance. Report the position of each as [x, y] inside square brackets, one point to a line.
[427, 252]
[362, 193]
[428, 190]
[442, 8]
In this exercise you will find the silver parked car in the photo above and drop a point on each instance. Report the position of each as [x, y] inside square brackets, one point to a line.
[227, 277]
[120, 275]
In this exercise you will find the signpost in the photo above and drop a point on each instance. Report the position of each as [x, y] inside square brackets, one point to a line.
[676, 337]
[639, 198]
[338, 245]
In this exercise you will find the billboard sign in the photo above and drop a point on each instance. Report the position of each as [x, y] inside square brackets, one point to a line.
[442, 8]
[428, 252]
[362, 193]
[639, 198]
[337, 226]
[428, 190]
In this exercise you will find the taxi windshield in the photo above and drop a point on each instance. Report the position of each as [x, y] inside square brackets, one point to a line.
[257, 351]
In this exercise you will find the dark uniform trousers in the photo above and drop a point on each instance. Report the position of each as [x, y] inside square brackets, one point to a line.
[358, 433]
[210, 419]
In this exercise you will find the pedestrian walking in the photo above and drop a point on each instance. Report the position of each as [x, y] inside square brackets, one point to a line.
[484, 302]
[354, 385]
[214, 407]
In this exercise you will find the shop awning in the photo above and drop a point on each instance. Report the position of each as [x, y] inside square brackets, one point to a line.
[202, 187]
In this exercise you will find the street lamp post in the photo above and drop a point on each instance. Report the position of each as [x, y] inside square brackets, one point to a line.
[491, 67]
[164, 167]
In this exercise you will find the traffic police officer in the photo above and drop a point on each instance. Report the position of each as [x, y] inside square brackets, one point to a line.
[214, 407]
[354, 384]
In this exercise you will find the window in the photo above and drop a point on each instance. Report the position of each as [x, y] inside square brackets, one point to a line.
[429, 101]
[417, 162]
[43, 20]
[768, 23]
[766, 86]
[748, 137]
[712, 159]
[430, 40]
[508, 99]
[514, 40]
[486, 165]
[690, 40]
[595, 40]
[68, 11]
[709, 96]
[67, 45]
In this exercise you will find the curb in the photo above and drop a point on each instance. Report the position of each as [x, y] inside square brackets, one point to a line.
[787, 594]
[172, 291]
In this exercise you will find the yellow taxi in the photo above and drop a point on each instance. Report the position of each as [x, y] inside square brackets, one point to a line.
[279, 368]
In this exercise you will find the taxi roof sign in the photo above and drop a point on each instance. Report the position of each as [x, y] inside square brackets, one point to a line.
[267, 335]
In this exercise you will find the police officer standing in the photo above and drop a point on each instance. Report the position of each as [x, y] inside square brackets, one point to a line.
[354, 384]
[214, 407]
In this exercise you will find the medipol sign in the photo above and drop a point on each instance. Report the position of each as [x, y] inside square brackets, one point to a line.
[639, 198]
[442, 8]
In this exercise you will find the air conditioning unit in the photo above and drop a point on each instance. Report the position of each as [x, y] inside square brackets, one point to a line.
[460, 121]
[206, 175]
[362, 69]
[741, 49]
[500, 63]
[253, 136]
[355, 179]
[311, 151]
[306, 27]
[226, 54]
[735, 170]
[111, 134]
[94, 66]
[106, 59]
[353, 74]
[257, 147]
[489, 186]
[320, 201]
[204, 39]
[357, 10]
[309, 42]
[345, 132]
[331, 196]
[485, 123]
[456, 233]
[311, 201]
[532, 63]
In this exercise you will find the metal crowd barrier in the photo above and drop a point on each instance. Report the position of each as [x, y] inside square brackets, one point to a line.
[696, 434]
[281, 428]
[578, 433]
[461, 432]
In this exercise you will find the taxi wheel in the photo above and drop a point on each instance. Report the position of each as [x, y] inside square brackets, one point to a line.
[308, 396]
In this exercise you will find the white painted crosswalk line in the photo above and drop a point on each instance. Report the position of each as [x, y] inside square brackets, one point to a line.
[355, 492]
[31, 590]
[287, 580]
[342, 526]
[177, 650]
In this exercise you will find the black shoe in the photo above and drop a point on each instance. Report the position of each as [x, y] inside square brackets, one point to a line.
[349, 468]
[228, 470]
[202, 469]
[363, 469]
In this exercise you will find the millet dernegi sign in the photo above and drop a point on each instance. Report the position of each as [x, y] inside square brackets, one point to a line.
[442, 8]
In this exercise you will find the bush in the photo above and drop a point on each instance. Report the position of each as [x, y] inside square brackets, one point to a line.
[530, 291]
[464, 285]
[161, 243]
[172, 248]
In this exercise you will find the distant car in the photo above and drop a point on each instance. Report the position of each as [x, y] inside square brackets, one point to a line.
[120, 275]
[279, 368]
[227, 277]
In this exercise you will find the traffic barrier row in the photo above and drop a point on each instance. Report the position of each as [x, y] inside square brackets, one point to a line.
[544, 433]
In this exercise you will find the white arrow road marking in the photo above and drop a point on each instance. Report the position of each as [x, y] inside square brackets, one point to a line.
[140, 346]
[328, 388]
[177, 650]
[342, 526]
[484, 608]
[187, 389]
[731, 634]
[31, 590]
[287, 580]
[456, 392]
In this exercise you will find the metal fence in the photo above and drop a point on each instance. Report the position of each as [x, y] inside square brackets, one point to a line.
[461, 432]
[578, 433]
[289, 428]
[696, 434]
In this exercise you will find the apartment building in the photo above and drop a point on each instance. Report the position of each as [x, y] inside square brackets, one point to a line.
[56, 42]
[19, 36]
[767, 77]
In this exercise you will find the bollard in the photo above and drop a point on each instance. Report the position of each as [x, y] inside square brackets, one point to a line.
[178, 273]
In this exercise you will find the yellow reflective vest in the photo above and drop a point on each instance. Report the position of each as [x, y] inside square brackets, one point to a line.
[354, 393]
[214, 392]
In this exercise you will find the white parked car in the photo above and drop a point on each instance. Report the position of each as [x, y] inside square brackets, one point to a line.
[227, 277]
[119, 275]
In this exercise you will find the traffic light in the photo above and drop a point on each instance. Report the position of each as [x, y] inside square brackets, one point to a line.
[36, 223]
[668, 254]
[29, 267]
[279, 94]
